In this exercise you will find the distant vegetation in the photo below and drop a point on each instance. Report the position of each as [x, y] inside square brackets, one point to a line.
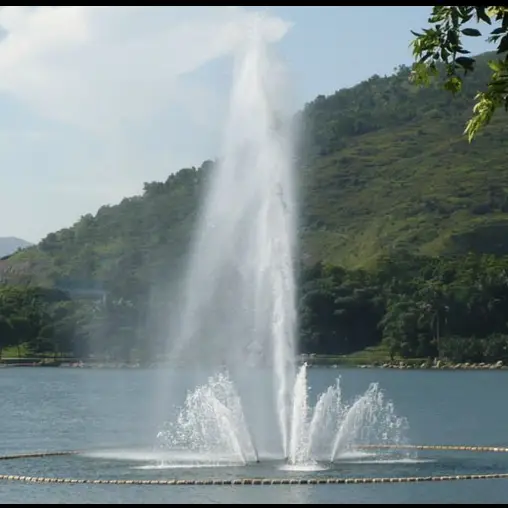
[403, 233]
[10, 244]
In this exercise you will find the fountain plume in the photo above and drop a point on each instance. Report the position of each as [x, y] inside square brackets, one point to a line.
[238, 320]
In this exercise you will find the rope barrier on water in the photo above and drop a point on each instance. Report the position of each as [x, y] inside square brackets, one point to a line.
[271, 481]
[456, 448]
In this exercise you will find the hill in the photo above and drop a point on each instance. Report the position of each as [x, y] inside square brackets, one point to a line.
[390, 171]
[387, 183]
[384, 168]
[10, 244]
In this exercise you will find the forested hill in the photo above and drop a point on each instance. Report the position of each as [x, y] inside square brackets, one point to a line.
[384, 168]
[391, 170]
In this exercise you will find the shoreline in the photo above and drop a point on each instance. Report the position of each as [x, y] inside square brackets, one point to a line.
[401, 365]
[438, 365]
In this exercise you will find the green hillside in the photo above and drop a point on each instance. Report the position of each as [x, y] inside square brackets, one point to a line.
[384, 167]
[391, 171]
[403, 233]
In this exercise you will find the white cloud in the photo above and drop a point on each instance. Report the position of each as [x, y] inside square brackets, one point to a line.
[110, 97]
[102, 67]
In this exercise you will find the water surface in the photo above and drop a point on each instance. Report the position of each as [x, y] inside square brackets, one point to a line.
[69, 409]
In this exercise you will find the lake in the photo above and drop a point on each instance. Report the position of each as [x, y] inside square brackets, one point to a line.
[85, 409]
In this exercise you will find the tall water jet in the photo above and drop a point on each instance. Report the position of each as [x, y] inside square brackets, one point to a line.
[238, 311]
[299, 444]
[237, 321]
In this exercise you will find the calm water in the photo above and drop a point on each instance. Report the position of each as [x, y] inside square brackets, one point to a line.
[61, 409]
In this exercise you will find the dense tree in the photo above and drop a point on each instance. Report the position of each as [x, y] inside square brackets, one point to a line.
[451, 308]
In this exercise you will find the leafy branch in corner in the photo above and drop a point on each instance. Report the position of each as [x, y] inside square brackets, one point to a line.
[442, 43]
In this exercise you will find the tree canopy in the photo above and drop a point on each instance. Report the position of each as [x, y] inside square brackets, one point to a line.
[441, 47]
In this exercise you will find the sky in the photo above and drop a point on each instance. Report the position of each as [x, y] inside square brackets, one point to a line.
[95, 101]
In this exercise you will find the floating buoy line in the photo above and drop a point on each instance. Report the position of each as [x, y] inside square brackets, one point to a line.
[270, 481]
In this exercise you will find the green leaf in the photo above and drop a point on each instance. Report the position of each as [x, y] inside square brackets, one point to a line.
[503, 45]
[455, 16]
[453, 38]
[481, 14]
[453, 85]
[495, 65]
[498, 30]
[498, 87]
[471, 32]
[465, 62]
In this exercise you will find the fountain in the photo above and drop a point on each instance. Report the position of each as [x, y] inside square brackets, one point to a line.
[211, 427]
[237, 320]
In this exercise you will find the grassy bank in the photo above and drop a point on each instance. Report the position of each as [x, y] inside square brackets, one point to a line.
[373, 356]
[378, 356]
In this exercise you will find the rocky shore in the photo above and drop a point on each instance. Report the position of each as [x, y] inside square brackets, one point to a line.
[437, 364]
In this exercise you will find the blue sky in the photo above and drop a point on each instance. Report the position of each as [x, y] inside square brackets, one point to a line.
[97, 100]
